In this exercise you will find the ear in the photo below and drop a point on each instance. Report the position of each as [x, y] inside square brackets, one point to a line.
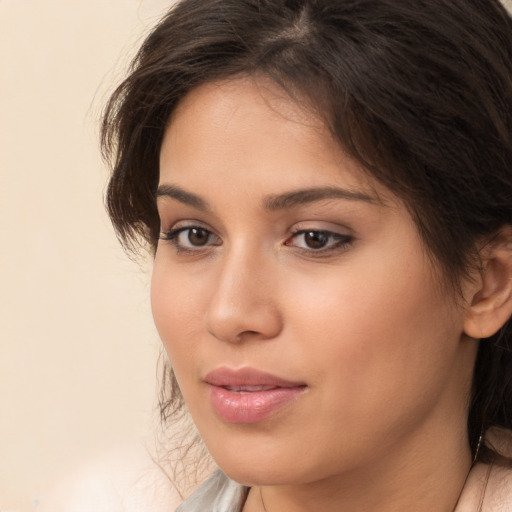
[490, 303]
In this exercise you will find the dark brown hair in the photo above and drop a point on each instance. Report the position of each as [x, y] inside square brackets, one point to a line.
[419, 92]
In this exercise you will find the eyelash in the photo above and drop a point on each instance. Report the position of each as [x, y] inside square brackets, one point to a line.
[173, 237]
[341, 241]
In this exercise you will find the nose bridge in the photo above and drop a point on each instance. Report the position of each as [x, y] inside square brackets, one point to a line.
[242, 302]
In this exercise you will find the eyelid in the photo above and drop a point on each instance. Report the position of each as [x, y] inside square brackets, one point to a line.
[321, 227]
[172, 236]
[180, 225]
[341, 239]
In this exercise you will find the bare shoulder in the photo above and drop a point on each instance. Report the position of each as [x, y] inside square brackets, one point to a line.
[125, 480]
[489, 486]
[498, 495]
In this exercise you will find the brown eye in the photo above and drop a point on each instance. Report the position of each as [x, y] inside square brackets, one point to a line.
[190, 238]
[198, 236]
[316, 239]
[319, 242]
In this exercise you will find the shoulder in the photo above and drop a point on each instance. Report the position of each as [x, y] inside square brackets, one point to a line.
[127, 480]
[498, 496]
[489, 486]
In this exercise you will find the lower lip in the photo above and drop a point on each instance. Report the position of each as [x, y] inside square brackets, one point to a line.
[251, 407]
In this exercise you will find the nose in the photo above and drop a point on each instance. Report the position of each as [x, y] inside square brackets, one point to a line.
[243, 303]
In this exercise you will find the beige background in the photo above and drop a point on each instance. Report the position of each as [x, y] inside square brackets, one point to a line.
[77, 345]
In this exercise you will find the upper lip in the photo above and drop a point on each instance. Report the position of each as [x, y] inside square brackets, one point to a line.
[247, 376]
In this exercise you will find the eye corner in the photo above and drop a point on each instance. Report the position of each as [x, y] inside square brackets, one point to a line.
[318, 242]
[190, 238]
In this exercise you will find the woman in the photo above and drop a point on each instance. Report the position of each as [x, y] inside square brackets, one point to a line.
[326, 187]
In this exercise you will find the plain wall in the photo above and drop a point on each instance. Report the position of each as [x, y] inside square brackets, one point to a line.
[77, 346]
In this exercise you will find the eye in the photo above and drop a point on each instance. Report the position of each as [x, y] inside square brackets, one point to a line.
[318, 240]
[190, 238]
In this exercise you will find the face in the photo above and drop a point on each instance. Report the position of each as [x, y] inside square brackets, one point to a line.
[304, 322]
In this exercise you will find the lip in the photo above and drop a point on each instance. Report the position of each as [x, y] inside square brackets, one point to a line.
[248, 395]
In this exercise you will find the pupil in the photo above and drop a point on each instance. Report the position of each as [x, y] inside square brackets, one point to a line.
[316, 239]
[198, 236]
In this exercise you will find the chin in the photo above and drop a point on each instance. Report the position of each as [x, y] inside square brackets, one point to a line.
[264, 465]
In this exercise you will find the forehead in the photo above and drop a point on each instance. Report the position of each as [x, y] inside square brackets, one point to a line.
[252, 94]
[250, 129]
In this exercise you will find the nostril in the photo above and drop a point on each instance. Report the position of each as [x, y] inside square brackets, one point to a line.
[234, 317]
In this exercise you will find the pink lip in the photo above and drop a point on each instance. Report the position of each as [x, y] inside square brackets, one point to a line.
[247, 395]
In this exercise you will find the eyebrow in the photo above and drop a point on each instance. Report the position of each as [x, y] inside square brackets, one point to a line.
[310, 195]
[183, 196]
[272, 203]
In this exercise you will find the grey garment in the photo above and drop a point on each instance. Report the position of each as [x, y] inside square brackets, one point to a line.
[217, 494]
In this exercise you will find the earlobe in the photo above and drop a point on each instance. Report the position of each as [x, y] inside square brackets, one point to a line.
[490, 306]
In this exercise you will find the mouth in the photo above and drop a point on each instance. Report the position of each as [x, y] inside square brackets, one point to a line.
[248, 395]
[248, 389]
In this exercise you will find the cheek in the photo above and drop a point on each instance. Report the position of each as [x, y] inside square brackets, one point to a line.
[377, 329]
[364, 302]
[176, 307]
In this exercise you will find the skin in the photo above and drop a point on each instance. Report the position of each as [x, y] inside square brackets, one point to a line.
[362, 322]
